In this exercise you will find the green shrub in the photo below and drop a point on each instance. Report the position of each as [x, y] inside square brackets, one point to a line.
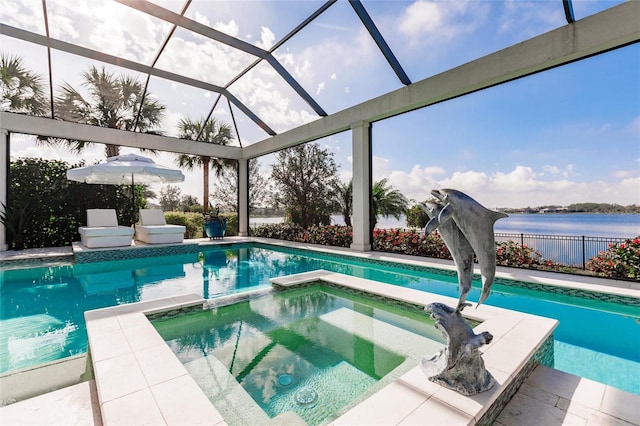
[56, 205]
[280, 231]
[188, 220]
[232, 224]
[619, 261]
[412, 242]
[332, 235]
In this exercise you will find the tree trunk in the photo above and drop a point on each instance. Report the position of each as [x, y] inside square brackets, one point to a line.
[112, 150]
[347, 219]
[205, 183]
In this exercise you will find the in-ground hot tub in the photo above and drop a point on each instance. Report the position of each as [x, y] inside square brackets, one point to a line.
[314, 351]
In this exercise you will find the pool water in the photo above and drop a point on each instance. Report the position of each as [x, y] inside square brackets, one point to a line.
[312, 351]
[41, 309]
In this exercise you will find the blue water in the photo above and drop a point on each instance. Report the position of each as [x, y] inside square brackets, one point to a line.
[41, 309]
[587, 224]
[288, 353]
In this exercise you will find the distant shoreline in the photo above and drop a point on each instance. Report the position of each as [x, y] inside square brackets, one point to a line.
[521, 212]
[508, 211]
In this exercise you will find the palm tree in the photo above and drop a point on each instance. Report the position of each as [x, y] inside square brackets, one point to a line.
[344, 194]
[210, 131]
[387, 201]
[115, 102]
[21, 90]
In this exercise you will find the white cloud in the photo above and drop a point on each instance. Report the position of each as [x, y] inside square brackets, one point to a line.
[267, 38]
[300, 69]
[320, 88]
[203, 60]
[107, 27]
[568, 171]
[630, 186]
[230, 28]
[21, 14]
[624, 174]
[520, 187]
[202, 19]
[429, 22]
[466, 181]
[380, 167]
[420, 17]
[330, 55]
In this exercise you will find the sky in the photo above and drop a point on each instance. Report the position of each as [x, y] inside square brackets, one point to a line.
[568, 135]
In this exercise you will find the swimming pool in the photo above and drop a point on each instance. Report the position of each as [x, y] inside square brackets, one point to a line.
[42, 308]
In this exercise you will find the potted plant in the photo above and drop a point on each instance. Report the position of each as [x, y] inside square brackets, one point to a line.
[214, 225]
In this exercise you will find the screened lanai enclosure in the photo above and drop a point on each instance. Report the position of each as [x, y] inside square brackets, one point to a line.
[369, 80]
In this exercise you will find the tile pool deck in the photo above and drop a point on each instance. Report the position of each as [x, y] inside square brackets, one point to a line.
[122, 338]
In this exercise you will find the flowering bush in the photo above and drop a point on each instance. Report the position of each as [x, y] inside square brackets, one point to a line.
[510, 253]
[619, 261]
[411, 241]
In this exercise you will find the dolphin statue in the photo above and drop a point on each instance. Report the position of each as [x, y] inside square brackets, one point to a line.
[460, 249]
[476, 223]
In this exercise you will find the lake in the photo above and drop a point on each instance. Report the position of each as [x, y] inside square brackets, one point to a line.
[579, 224]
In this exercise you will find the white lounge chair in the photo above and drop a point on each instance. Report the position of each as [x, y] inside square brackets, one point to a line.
[153, 229]
[102, 230]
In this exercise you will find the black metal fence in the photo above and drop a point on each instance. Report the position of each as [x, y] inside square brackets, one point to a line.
[569, 250]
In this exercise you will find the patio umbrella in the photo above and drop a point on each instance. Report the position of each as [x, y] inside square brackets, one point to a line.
[126, 169]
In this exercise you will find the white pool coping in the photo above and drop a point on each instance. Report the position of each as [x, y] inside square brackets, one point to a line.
[140, 381]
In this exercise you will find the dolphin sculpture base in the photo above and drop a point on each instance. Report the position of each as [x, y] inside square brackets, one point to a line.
[459, 366]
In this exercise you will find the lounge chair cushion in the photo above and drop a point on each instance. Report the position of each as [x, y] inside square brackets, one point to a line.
[102, 230]
[153, 228]
[150, 217]
[106, 231]
[101, 217]
[161, 229]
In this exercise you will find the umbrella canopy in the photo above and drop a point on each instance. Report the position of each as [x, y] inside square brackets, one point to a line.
[122, 169]
[126, 169]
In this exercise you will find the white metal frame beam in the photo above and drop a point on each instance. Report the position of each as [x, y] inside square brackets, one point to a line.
[21, 123]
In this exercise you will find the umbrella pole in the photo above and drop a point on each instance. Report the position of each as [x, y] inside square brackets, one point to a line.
[133, 202]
